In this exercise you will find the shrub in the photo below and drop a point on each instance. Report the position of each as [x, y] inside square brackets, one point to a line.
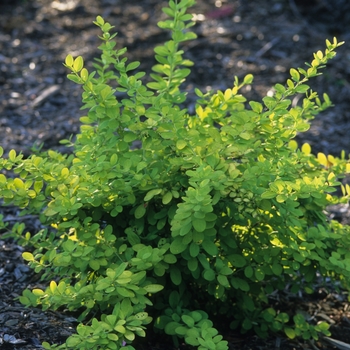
[210, 216]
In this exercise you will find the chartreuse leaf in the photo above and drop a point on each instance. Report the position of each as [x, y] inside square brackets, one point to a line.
[69, 60]
[28, 256]
[306, 148]
[12, 155]
[78, 64]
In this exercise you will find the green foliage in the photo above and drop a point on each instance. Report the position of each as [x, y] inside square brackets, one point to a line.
[216, 210]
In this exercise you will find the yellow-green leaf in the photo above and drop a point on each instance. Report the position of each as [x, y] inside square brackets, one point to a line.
[181, 144]
[69, 61]
[306, 148]
[84, 74]
[78, 64]
[28, 256]
[53, 286]
[12, 155]
[38, 292]
[293, 145]
[18, 183]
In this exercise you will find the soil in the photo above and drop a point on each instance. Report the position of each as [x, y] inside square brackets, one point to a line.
[38, 105]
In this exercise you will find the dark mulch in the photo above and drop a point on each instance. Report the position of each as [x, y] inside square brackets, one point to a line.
[235, 37]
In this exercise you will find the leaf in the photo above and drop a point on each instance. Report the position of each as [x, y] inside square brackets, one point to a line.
[223, 280]
[194, 249]
[113, 337]
[170, 258]
[157, 85]
[73, 341]
[12, 155]
[256, 106]
[293, 145]
[129, 137]
[268, 194]
[161, 50]
[150, 194]
[78, 64]
[177, 246]
[306, 148]
[74, 78]
[170, 328]
[209, 275]
[295, 75]
[237, 260]
[247, 324]
[124, 292]
[84, 74]
[301, 89]
[241, 284]
[302, 127]
[248, 79]
[38, 185]
[28, 256]
[100, 21]
[277, 269]
[175, 275]
[140, 211]
[282, 317]
[322, 159]
[53, 286]
[94, 264]
[210, 247]
[192, 340]
[18, 183]
[132, 66]
[259, 274]
[106, 92]
[290, 333]
[168, 11]
[188, 320]
[192, 264]
[199, 225]
[167, 198]
[153, 288]
[181, 144]
[69, 60]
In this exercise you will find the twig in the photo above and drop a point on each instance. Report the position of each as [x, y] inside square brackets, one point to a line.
[268, 46]
[337, 343]
[45, 95]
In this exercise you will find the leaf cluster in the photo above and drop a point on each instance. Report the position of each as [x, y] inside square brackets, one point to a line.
[218, 210]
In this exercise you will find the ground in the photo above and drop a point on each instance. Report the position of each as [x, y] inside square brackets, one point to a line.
[38, 105]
